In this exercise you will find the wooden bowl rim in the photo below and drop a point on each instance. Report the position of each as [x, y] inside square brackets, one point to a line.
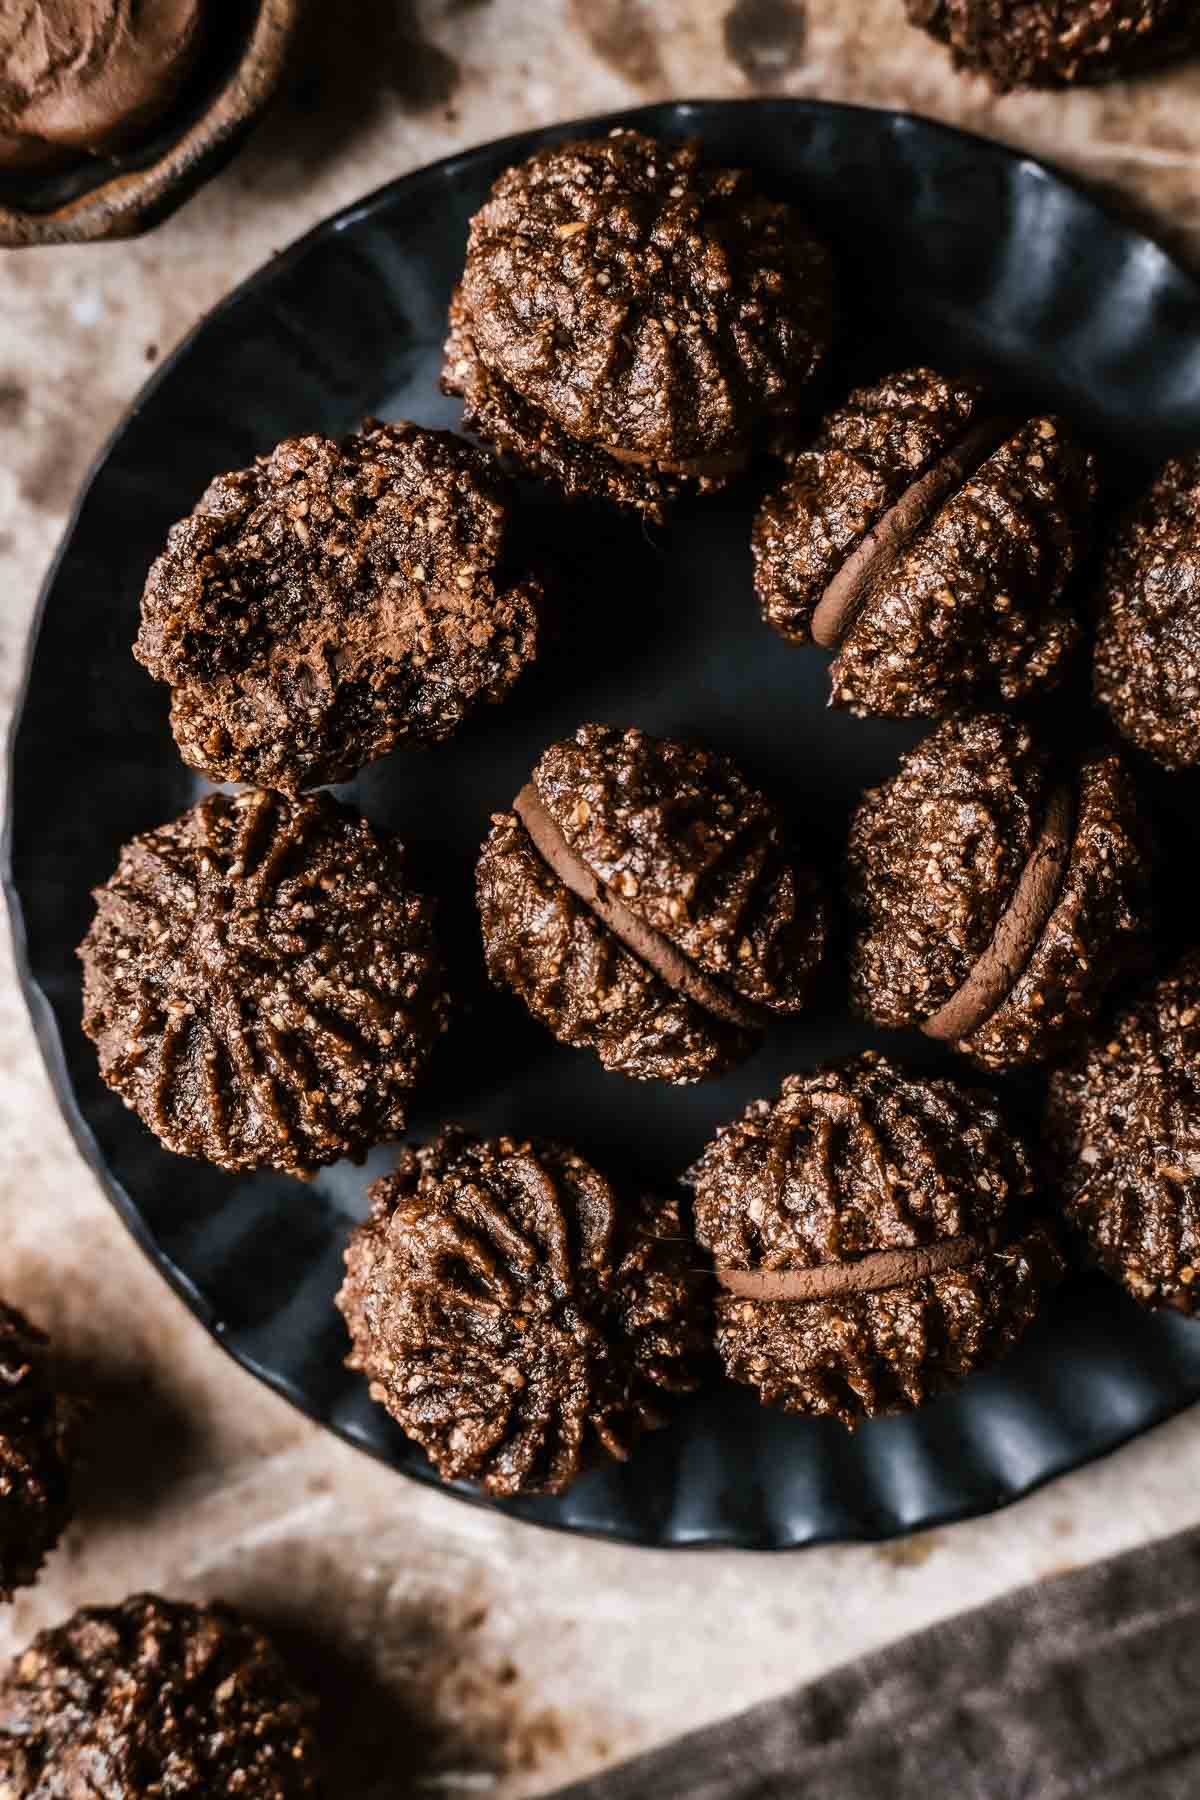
[131, 200]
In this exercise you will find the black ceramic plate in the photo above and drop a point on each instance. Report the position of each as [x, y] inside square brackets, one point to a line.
[951, 248]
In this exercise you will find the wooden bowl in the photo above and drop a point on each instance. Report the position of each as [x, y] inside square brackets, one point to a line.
[118, 196]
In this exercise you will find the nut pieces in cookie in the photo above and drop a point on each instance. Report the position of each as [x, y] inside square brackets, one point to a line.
[514, 1316]
[996, 898]
[1123, 1125]
[931, 544]
[1054, 43]
[340, 598]
[869, 1233]
[1147, 670]
[631, 322]
[37, 1426]
[262, 984]
[646, 903]
[155, 1697]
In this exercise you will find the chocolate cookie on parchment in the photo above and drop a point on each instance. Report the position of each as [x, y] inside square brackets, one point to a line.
[155, 1697]
[38, 1426]
[1056, 43]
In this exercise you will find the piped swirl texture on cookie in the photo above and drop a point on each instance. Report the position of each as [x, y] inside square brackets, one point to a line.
[663, 919]
[846, 1165]
[932, 544]
[630, 319]
[262, 983]
[516, 1316]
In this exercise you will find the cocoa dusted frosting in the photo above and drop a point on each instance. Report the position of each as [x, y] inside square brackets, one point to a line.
[871, 1274]
[89, 75]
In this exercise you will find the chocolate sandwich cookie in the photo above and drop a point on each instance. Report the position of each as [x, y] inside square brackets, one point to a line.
[1055, 43]
[996, 894]
[931, 542]
[155, 1698]
[645, 902]
[1147, 670]
[340, 598]
[631, 322]
[90, 76]
[37, 1452]
[1123, 1129]
[262, 983]
[516, 1317]
[871, 1240]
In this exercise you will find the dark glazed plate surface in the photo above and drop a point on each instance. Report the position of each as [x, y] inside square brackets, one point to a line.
[951, 248]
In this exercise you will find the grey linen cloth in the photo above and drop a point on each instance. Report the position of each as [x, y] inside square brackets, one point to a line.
[1088, 1684]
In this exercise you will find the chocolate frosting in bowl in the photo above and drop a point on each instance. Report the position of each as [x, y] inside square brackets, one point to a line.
[89, 75]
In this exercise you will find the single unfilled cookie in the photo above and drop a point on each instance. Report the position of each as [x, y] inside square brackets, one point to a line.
[1054, 43]
[341, 597]
[931, 542]
[646, 903]
[514, 1315]
[155, 1698]
[262, 983]
[871, 1240]
[997, 894]
[630, 319]
[1123, 1127]
[1147, 670]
